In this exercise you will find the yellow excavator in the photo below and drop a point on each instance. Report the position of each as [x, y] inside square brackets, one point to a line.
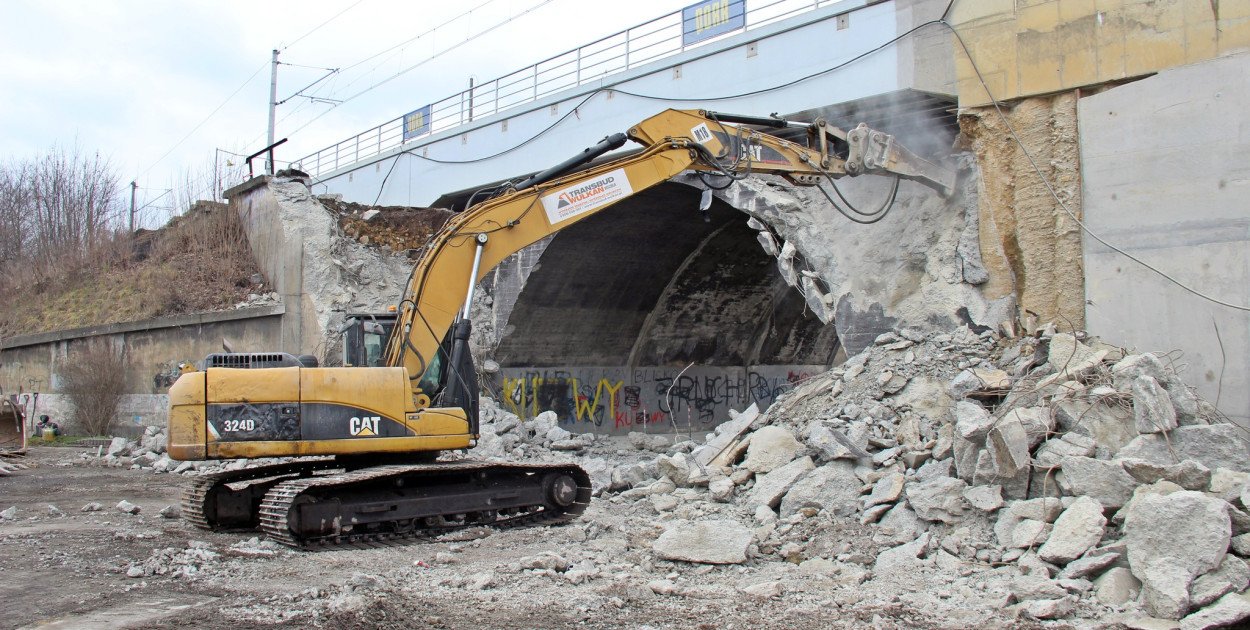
[368, 437]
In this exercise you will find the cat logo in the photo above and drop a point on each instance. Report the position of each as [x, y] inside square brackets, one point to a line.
[364, 427]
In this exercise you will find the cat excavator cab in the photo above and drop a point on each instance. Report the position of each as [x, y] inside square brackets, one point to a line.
[368, 436]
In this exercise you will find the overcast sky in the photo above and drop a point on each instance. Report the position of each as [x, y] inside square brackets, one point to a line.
[133, 80]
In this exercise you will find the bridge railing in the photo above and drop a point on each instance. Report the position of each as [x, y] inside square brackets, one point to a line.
[621, 51]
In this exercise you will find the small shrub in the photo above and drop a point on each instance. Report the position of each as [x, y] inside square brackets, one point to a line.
[94, 379]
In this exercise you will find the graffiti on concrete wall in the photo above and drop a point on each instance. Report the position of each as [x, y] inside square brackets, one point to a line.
[166, 374]
[619, 400]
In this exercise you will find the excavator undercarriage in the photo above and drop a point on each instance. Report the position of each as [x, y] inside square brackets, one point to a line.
[320, 504]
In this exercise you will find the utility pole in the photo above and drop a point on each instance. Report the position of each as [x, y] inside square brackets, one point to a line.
[273, 106]
[133, 186]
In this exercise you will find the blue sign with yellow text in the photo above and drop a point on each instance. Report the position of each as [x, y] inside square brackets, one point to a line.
[710, 18]
[417, 122]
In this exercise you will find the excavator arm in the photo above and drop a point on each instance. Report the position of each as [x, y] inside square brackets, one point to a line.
[440, 289]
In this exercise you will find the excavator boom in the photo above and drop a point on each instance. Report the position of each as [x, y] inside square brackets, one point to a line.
[674, 141]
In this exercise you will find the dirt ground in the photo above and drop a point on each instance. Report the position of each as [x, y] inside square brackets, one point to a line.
[66, 568]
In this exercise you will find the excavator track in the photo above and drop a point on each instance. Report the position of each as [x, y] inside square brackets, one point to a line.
[387, 505]
[204, 505]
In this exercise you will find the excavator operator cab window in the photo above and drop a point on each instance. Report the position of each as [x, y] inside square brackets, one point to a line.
[365, 338]
[374, 345]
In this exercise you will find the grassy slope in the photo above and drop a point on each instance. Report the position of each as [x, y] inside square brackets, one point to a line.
[200, 262]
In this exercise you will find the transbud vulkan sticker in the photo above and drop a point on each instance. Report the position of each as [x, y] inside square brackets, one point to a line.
[565, 204]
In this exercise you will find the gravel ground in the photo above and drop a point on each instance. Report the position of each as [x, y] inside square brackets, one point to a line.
[69, 569]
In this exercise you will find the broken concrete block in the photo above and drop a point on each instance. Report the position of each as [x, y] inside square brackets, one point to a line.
[1188, 474]
[886, 490]
[899, 525]
[1241, 545]
[1027, 587]
[1008, 444]
[629, 476]
[1152, 406]
[901, 558]
[972, 421]
[1126, 370]
[1214, 446]
[1046, 510]
[1077, 530]
[1030, 533]
[1228, 484]
[1184, 402]
[935, 469]
[771, 447]
[872, 514]
[1030, 564]
[369, 215]
[770, 488]
[1105, 481]
[832, 487]
[1071, 358]
[682, 469]
[1117, 587]
[1051, 453]
[1232, 576]
[938, 500]
[1051, 608]
[966, 456]
[721, 489]
[547, 560]
[707, 542]
[118, 447]
[1087, 566]
[1172, 539]
[1109, 424]
[1229, 610]
[1038, 422]
[1165, 587]
[985, 498]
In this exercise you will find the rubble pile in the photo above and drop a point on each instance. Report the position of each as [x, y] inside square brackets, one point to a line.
[1051, 477]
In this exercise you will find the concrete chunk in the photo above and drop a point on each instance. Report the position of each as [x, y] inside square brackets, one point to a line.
[832, 487]
[1188, 474]
[887, 490]
[1051, 453]
[1171, 539]
[1165, 587]
[1117, 587]
[1230, 609]
[770, 488]
[1152, 406]
[972, 421]
[1078, 529]
[1232, 576]
[707, 542]
[771, 447]
[938, 500]
[1008, 444]
[1214, 446]
[1105, 481]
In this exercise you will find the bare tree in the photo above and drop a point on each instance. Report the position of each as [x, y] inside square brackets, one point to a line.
[94, 379]
[55, 210]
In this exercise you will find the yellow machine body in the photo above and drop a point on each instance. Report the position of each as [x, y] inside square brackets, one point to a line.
[224, 413]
